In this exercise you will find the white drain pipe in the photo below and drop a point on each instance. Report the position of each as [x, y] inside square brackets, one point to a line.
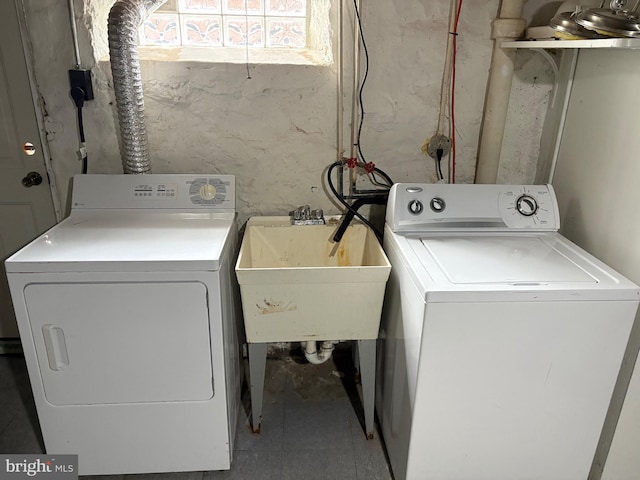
[508, 26]
[311, 352]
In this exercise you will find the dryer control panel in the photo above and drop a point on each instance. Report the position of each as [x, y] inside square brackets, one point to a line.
[154, 191]
[415, 208]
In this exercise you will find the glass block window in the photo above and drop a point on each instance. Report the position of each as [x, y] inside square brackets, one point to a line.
[228, 23]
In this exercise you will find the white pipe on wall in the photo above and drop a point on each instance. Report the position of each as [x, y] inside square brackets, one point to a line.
[340, 85]
[340, 100]
[508, 26]
[74, 34]
[356, 82]
[353, 153]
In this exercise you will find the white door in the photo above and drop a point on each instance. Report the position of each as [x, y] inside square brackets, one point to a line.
[24, 211]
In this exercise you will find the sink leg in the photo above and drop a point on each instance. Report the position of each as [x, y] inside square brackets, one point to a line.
[257, 363]
[367, 361]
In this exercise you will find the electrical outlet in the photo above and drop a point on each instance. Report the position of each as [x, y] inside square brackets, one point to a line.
[438, 142]
[79, 78]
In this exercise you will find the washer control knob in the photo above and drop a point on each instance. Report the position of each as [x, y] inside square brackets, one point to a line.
[437, 204]
[526, 205]
[415, 207]
[207, 191]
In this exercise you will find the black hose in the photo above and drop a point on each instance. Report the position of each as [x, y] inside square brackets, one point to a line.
[375, 200]
[352, 210]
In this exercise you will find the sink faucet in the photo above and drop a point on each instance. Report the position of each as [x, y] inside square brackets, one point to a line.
[305, 216]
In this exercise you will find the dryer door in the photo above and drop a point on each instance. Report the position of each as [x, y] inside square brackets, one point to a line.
[106, 343]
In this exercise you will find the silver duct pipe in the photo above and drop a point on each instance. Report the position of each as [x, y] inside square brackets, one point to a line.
[125, 18]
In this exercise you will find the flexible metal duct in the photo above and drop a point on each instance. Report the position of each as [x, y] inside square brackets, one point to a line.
[125, 18]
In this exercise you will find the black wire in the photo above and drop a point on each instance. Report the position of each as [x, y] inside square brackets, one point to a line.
[364, 79]
[85, 160]
[80, 124]
[78, 97]
[385, 176]
[439, 155]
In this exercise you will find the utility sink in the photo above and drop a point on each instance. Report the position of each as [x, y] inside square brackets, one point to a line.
[296, 284]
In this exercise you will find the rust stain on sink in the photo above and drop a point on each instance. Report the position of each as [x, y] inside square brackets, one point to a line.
[343, 257]
[273, 306]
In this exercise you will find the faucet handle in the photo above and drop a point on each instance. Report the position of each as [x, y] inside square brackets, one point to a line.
[298, 213]
[317, 214]
[305, 216]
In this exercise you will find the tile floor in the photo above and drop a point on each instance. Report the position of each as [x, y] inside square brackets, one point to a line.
[311, 429]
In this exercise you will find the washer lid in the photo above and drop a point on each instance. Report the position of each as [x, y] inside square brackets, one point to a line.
[128, 240]
[503, 260]
[508, 267]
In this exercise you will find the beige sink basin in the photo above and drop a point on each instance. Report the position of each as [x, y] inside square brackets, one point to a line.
[296, 284]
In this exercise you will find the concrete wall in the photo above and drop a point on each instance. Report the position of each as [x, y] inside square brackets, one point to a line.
[530, 94]
[277, 131]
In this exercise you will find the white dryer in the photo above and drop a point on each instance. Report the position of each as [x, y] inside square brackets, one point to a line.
[501, 340]
[128, 319]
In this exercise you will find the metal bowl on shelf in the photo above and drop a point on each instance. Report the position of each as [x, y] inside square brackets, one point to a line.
[566, 28]
[615, 21]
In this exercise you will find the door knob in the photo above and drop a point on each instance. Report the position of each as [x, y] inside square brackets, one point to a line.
[32, 178]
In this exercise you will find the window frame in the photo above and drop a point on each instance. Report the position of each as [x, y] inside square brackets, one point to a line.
[316, 51]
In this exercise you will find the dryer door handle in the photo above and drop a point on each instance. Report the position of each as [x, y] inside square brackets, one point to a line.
[56, 347]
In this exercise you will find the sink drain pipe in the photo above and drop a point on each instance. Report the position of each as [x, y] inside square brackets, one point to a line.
[125, 17]
[311, 351]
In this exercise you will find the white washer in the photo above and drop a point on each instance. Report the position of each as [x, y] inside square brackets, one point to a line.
[128, 320]
[501, 340]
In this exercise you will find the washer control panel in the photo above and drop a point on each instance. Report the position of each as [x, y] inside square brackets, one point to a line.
[151, 190]
[439, 207]
[155, 191]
